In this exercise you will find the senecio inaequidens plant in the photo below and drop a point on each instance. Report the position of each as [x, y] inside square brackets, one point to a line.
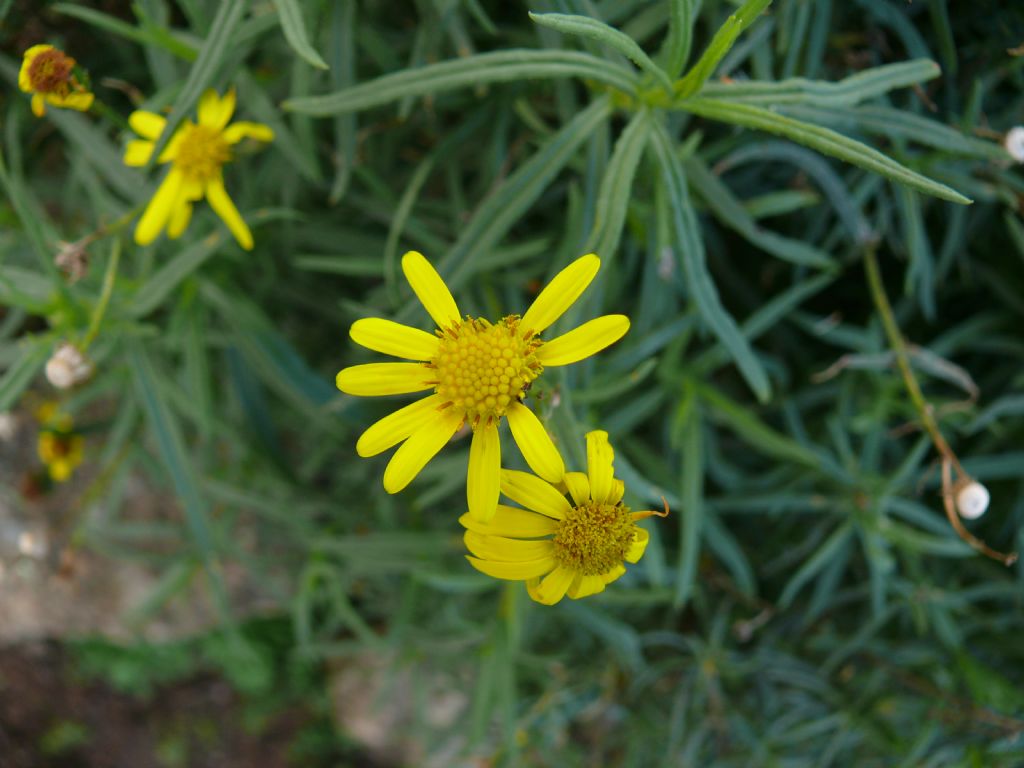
[573, 532]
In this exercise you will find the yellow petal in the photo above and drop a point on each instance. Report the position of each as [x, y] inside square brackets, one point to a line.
[529, 569]
[579, 487]
[579, 343]
[24, 83]
[81, 101]
[560, 293]
[137, 153]
[503, 550]
[375, 379]
[430, 290]
[419, 448]
[613, 574]
[599, 466]
[512, 521]
[159, 209]
[534, 493]
[395, 339]
[222, 205]
[215, 112]
[484, 477]
[585, 586]
[149, 125]
[38, 105]
[636, 549]
[235, 132]
[180, 218]
[531, 587]
[397, 426]
[552, 587]
[618, 490]
[535, 443]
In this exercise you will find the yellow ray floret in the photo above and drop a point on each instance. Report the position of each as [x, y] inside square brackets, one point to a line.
[556, 545]
[197, 153]
[53, 77]
[478, 372]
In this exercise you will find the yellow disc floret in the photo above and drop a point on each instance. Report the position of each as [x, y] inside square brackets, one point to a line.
[482, 368]
[50, 72]
[202, 152]
[594, 538]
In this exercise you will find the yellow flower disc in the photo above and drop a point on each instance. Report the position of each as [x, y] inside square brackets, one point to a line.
[594, 538]
[482, 368]
[202, 152]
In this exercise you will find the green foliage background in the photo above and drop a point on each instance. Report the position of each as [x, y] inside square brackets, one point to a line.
[806, 603]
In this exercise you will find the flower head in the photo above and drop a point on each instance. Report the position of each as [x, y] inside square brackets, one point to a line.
[1014, 143]
[52, 77]
[197, 152]
[68, 367]
[59, 447]
[560, 545]
[479, 372]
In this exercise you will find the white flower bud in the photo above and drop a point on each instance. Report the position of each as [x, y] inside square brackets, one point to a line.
[67, 367]
[1014, 143]
[972, 500]
[8, 426]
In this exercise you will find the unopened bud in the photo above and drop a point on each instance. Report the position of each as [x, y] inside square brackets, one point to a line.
[1014, 143]
[67, 367]
[972, 500]
[73, 260]
[8, 426]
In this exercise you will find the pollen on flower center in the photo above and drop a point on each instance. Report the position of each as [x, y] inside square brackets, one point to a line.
[50, 71]
[202, 152]
[482, 367]
[594, 538]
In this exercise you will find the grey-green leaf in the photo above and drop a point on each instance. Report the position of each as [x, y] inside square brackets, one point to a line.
[290, 14]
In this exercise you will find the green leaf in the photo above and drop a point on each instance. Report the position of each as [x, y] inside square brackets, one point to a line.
[213, 51]
[470, 71]
[816, 562]
[593, 29]
[691, 512]
[676, 49]
[290, 14]
[151, 35]
[720, 45]
[19, 375]
[851, 90]
[690, 248]
[617, 185]
[162, 282]
[823, 140]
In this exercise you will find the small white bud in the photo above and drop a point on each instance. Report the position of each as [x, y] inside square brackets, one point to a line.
[972, 500]
[1014, 143]
[8, 426]
[67, 367]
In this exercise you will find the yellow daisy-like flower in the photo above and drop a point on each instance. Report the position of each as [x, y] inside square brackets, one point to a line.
[52, 77]
[197, 152]
[60, 449]
[479, 372]
[561, 546]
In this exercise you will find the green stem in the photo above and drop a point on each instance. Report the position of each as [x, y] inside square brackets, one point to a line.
[108, 288]
[100, 109]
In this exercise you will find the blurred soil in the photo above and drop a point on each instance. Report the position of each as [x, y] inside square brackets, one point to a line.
[50, 718]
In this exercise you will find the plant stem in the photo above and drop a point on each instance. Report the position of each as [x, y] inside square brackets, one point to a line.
[108, 288]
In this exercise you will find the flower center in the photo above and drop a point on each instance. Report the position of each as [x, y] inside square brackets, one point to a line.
[202, 152]
[50, 71]
[594, 538]
[482, 367]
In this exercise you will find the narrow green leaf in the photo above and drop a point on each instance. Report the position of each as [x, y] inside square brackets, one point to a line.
[19, 375]
[815, 563]
[691, 513]
[470, 71]
[593, 29]
[162, 282]
[290, 14]
[676, 50]
[720, 45]
[617, 185]
[212, 52]
[154, 36]
[863, 85]
[690, 246]
[823, 140]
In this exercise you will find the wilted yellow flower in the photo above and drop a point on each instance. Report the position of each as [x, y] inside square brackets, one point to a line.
[560, 545]
[52, 77]
[59, 447]
[479, 372]
[197, 152]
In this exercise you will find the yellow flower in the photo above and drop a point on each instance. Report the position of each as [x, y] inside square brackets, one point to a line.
[58, 446]
[197, 152]
[52, 77]
[479, 372]
[555, 545]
